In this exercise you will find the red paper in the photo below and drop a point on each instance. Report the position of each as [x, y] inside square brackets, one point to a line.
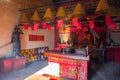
[36, 26]
[75, 22]
[79, 25]
[49, 27]
[59, 23]
[91, 24]
[25, 26]
[108, 20]
[32, 28]
[44, 25]
[112, 26]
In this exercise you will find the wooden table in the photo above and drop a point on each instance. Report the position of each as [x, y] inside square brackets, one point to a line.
[71, 66]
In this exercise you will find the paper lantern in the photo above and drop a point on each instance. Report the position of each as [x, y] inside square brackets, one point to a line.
[35, 17]
[79, 25]
[24, 18]
[78, 11]
[112, 26]
[48, 15]
[102, 7]
[75, 22]
[61, 13]
[108, 20]
[49, 27]
[60, 23]
[25, 26]
[32, 28]
[36, 26]
[91, 24]
[44, 25]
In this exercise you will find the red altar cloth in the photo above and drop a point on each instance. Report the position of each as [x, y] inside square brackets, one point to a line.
[70, 66]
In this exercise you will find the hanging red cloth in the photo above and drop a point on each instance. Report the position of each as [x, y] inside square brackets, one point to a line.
[25, 26]
[75, 22]
[108, 20]
[59, 23]
[36, 26]
[49, 27]
[79, 25]
[112, 26]
[32, 28]
[91, 24]
[44, 26]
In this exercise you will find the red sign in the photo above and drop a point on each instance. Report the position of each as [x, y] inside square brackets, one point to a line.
[36, 38]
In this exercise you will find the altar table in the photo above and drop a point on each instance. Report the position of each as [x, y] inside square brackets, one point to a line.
[70, 65]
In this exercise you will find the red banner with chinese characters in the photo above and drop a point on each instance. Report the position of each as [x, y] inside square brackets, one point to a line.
[36, 38]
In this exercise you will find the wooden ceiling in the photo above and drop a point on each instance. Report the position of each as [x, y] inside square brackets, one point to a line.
[29, 6]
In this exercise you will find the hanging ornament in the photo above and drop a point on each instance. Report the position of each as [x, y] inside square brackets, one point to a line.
[25, 26]
[78, 11]
[36, 26]
[112, 26]
[91, 24]
[48, 15]
[61, 13]
[35, 17]
[75, 22]
[108, 20]
[49, 27]
[102, 7]
[79, 25]
[24, 18]
[44, 25]
[32, 28]
[59, 23]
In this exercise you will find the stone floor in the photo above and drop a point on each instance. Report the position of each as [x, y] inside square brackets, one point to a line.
[107, 71]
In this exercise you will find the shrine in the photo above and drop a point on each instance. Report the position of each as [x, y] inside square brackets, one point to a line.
[60, 39]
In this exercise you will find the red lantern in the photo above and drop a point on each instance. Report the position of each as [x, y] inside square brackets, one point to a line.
[32, 28]
[79, 25]
[112, 26]
[36, 26]
[59, 23]
[108, 20]
[91, 24]
[49, 27]
[25, 26]
[75, 22]
[44, 25]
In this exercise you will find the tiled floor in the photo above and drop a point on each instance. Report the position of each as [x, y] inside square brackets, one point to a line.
[108, 71]
[24, 73]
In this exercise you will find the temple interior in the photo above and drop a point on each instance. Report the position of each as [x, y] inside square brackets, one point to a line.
[59, 40]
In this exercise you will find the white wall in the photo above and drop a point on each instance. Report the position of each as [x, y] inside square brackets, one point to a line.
[9, 15]
[48, 39]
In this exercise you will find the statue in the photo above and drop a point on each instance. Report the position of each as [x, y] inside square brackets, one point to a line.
[16, 41]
